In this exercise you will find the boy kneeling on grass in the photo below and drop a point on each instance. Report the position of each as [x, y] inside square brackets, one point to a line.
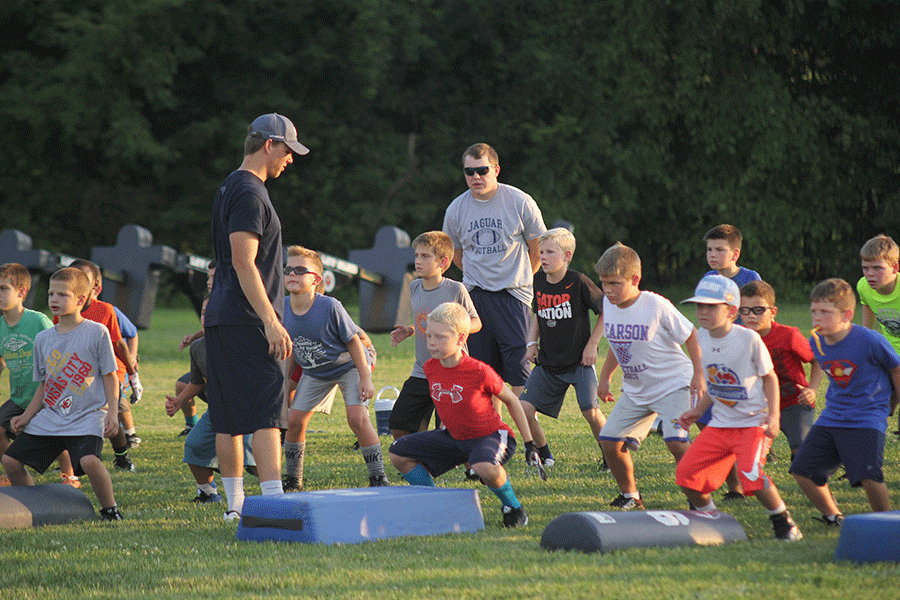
[77, 402]
[462, 389]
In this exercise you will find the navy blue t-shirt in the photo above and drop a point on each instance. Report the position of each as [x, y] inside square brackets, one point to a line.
[242, 204]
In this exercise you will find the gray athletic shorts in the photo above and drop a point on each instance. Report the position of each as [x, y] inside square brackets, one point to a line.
[317, 395]
[629, 420]
[796, 421]
[545, 390]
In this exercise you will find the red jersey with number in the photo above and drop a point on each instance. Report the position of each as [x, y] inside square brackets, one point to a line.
[463, 395]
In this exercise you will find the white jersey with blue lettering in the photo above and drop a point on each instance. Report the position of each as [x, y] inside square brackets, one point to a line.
[646, 340]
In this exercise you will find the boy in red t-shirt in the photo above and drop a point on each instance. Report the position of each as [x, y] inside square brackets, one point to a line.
[462, 389]
[789, 350]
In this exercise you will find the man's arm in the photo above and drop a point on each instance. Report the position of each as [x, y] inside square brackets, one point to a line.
[244, 248]
[457, 258]
[534, 254]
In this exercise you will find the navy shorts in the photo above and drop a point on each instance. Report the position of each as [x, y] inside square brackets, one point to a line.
[438, 452]
[502, 338]
[861, 451]
[244, 384]
[413, 406]
[546, 390]
[39, 451]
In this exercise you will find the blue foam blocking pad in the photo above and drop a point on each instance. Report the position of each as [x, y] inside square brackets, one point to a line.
[350, 516]
[869, 538]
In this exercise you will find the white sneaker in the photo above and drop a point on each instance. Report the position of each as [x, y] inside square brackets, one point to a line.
[232, 515]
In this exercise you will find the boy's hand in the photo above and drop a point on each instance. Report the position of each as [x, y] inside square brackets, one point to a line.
[532, 459]
[110, 424]
[186, 341]
[172, 405]
[698, 385]
[531, 354]
[689, 418]
[18, 423]
[137, 390]
[807, 396]
[603, 393]
[773, 426]
[589, 356]
[400, 333]
[366, 389]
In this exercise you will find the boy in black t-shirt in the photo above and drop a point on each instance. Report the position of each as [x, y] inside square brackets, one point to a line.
[567, 353]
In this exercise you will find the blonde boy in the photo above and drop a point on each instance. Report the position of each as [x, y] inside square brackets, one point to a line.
[462, 389]
[77, 401]
[645, 333]
[433, 255]
[326, 344]
[18, 328]
[864, 370]
[742, 390]
[561, 342]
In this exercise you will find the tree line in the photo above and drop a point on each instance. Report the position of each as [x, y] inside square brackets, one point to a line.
[647, 121]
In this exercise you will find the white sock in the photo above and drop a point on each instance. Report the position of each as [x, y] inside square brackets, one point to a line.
[778, 509]
[208, 488]
[708, 508]
[234, 492]
[634, 495]
[271, 488]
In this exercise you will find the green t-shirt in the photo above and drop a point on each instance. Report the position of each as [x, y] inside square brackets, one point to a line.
[886, 309]
[17, 346]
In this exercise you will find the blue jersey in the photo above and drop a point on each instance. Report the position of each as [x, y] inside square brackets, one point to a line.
[859, 393]
[320, 337]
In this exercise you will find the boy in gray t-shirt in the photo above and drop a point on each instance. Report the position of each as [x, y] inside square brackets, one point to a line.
[77, 401]
[433, 253]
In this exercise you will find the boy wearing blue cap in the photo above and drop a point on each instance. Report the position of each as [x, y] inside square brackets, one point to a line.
[742, 389]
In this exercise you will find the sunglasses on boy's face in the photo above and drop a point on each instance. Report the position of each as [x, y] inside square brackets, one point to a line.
[470, 171]
[298, 271]
[756, 310]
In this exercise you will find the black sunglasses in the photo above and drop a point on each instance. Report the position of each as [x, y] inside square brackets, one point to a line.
[297, 271]
[756, 310]
[480, 170]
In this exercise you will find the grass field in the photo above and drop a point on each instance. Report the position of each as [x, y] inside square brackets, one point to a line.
[169, 548]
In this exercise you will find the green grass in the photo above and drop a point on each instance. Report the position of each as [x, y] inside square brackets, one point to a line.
[169, 548]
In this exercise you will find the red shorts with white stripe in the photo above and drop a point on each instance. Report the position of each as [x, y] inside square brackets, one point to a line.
[709, 459]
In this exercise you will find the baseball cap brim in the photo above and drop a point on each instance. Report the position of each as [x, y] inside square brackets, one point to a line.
[297, 148]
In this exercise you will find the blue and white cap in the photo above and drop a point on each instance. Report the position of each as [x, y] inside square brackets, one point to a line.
[277, 127]
[716, 289]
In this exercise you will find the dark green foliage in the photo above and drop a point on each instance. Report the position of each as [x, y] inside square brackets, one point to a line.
[646, 122]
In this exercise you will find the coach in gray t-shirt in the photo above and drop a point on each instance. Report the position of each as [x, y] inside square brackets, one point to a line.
[495, 230]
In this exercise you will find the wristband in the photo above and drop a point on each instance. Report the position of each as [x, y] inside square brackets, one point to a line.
[530, 344]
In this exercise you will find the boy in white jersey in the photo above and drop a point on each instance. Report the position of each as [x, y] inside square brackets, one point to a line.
[743, 391]
[645, 332]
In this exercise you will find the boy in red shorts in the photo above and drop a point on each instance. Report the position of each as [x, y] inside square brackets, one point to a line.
[742, 389]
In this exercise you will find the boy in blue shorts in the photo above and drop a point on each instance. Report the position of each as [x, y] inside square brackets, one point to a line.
[742, 390]
[567, 351]
[434, 253]
[328, 348]
[864, 373]
[645, 333]
[77, 401]
[878, 291]
[463, 389]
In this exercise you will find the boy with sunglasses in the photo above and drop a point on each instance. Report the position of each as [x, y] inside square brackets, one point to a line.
[327, 345]
[789, 351]
[495, 229]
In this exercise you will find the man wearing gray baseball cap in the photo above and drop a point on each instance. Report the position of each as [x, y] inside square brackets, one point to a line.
[245, 341]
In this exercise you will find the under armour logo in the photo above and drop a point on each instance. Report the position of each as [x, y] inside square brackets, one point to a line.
[455, 393]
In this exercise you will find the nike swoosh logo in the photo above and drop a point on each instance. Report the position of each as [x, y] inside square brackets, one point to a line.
[753, 475]
[570, 285]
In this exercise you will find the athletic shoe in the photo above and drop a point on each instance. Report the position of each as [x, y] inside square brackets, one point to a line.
[548, 462]
[771, 458]
[291, 484]
[471, 475]
[602, 466]
[110, 514]
[71, 480]
[186, 430]
[133, 440]
[785, 528]
[4, 481]
[514, 517]
[733, 497]
[204, 498]
[379, 481]
[124, 463]
[623, 503]
[832, 521]
[231, 515]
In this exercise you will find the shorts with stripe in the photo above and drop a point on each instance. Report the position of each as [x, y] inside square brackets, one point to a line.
[438, 452]
[630, 420]
[708, 461]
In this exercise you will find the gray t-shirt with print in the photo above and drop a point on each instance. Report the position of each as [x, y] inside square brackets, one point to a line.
[423, 302]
